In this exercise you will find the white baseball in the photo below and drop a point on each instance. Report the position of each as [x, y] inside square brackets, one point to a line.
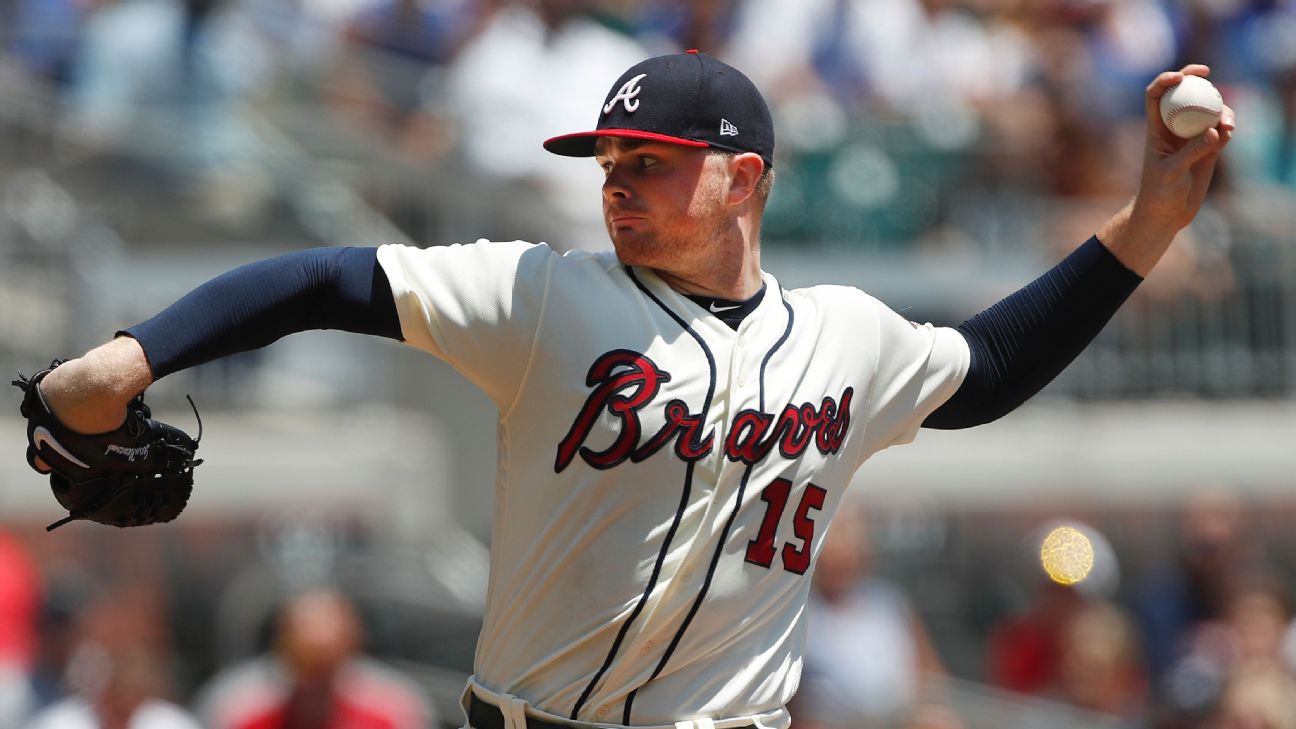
[1191, 107]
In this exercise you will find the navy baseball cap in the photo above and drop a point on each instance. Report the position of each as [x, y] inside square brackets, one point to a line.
[684, 98]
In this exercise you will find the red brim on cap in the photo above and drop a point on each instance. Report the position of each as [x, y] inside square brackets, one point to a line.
[581, 144]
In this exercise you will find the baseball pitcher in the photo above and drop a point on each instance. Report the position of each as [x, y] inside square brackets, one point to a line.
[676, 428]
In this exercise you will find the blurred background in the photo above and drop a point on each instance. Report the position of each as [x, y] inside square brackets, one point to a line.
[330, 570]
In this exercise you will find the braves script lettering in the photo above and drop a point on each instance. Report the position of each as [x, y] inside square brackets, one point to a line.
[754, 434]
[625, 382]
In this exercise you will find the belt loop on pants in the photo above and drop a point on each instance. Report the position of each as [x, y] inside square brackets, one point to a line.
[515, 714]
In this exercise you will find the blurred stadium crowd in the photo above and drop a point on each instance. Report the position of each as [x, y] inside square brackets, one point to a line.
[1201, 635]
[926, 127]
[901, 122]
[914, 622]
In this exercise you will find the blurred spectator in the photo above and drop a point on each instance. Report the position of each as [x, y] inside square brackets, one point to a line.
[906, 55]
[300, 35]
[315, 678]
[1090, 64]
[162, 80]
[1262, 169]
[118, 688]
[44, 35]
[58, 633]
[388, 76]
[880, 107]
[1246, 639]
[1212, 552]
[1112, 50]
[869, 660]
[671, 26]
[1259, 698]
[1258, 613]
[1099, 666]
[387, 82]
[526, 77]
[427, 32]
[1025, 651]
[19, 601]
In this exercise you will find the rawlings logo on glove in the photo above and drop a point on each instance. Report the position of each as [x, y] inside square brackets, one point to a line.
[130, 453]
[140, 473]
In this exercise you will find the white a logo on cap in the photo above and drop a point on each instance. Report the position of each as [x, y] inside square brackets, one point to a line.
[627, 95]
[727, 129]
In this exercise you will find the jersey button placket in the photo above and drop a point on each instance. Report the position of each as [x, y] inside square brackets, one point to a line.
[738, 364]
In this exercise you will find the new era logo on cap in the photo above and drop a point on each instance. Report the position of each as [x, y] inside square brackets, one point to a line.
[684, 98]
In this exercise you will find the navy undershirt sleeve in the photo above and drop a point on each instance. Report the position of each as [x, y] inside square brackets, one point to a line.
[256, 304]
[1021, 343]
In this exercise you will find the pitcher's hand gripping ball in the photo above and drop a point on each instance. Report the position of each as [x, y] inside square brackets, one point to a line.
[140, 473]
[1191, 107]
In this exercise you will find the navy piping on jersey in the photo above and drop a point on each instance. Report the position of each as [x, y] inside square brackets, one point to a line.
[787, 332]
[724, 534]
[652, 582]
[679, 512]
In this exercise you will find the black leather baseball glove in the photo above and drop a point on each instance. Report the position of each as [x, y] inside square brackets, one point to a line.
[141, 473]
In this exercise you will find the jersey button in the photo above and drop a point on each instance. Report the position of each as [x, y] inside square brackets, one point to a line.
[687, 575]
[647, 648]
[602, 712]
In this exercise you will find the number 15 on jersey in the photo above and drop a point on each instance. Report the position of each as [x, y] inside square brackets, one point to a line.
[795, 552]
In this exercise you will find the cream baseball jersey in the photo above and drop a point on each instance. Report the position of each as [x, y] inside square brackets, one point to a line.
[664, 481]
